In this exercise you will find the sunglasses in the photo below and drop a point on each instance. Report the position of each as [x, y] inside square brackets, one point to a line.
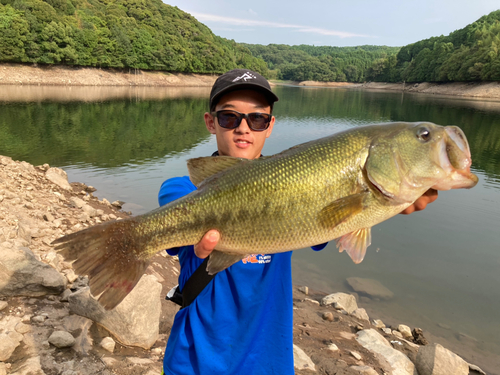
[231, 119]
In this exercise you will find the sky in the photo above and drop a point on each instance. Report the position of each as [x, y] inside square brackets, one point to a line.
[335, 23]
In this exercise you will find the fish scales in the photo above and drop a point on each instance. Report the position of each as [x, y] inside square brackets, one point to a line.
[335, 187]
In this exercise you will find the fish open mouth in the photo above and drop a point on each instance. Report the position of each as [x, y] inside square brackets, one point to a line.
[455, 159]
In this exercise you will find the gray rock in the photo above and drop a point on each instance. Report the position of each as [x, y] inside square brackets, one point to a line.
[108, 344]
[378, 323]
[436, 360]
[370, 287]
[61, 339]
[89, 210]
[79, 327]
[364, 370]
[301, 360]
[65, 295]
[373, 341]
[76, 202]
[58, 177]
[344, 301]
[7, 346]
[405, 331]
[21, 274]
[332, 347]
[31, 366]
[3, 305]
[361, 314]
[476, 369]
[22, 328]
[304, 289]
[134, 322]
[356, 355]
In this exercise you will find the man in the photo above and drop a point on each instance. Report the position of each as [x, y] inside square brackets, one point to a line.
[241, 322]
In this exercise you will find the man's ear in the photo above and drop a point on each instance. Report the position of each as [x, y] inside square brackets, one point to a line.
[209, 122]
[270, 128]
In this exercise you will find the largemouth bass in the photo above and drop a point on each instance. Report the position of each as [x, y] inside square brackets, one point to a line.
[336, 187]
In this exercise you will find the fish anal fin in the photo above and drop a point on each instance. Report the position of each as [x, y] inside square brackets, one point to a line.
[355, 244]
[340, 210]
[202, 168]
[219, 261]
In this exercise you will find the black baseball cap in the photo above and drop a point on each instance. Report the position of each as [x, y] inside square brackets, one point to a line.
[240, 79]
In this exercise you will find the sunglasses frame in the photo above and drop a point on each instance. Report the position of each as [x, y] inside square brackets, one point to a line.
[242, 116]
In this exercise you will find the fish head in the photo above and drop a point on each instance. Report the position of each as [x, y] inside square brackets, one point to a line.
[409, 158]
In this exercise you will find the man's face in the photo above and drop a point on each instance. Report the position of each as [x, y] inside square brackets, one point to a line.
[241, 142]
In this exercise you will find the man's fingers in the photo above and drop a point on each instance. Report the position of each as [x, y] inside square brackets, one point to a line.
[421, 203]
[207, 244]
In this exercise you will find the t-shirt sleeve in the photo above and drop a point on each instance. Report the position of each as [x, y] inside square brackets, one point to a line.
[172, 189]
[319, 247]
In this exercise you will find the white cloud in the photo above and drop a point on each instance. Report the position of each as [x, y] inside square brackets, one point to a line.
[300, 28]
[251, 11]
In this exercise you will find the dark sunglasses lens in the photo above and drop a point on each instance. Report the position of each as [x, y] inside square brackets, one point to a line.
[259, 121]
[228, 120]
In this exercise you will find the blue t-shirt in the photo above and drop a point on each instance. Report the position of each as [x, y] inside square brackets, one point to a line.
[242, 322]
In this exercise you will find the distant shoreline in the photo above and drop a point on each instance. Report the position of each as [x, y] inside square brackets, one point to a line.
[482, 90]
[60, 75]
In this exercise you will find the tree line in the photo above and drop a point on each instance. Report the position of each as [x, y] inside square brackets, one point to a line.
[141, 34]
[151, 35]
[468, 54]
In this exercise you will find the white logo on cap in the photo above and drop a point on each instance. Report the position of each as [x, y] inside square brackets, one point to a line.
[245, 77]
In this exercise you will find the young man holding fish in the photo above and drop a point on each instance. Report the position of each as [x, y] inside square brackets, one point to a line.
[241, 322]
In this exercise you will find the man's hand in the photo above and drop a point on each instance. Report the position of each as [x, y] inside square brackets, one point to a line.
[207, 244]
[428, 197]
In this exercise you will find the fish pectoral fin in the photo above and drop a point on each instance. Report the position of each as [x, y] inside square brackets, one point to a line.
[355, 243]
[340, 210]
[202, 168]
[219, 261]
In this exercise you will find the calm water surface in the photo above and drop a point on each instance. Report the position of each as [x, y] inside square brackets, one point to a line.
[442, 264]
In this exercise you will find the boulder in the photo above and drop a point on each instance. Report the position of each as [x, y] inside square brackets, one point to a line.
[7, 346]
[58, 177]
[369, 287]
[436, 360]
[343, 301]
[361, 314]
[134, 322]
[373, 341]
[21, 274]
[301, 360]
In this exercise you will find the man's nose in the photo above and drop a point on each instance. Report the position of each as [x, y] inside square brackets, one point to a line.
[243, 126]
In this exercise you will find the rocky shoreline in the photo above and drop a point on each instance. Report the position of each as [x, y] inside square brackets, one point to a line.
[49, 323]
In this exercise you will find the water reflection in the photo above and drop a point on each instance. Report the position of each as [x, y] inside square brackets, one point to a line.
[442, 264]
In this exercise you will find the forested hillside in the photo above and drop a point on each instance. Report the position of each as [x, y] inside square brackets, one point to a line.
[310, 63]
[143, 34]
[468, 54]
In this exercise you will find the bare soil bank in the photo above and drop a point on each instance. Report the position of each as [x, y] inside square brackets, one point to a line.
[58, 75]
[466, 89]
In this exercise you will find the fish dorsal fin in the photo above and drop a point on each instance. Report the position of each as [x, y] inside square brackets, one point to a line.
[219, 261]
[202, 168]
[355, 243]
[340, 210]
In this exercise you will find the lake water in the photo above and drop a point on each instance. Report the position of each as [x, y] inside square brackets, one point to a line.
[443, 264]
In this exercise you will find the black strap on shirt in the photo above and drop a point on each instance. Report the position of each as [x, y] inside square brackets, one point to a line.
[194, 286]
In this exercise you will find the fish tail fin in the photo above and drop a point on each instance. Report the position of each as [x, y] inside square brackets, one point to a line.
[107, 254]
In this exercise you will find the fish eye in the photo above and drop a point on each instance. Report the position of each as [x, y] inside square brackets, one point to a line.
[423, 134]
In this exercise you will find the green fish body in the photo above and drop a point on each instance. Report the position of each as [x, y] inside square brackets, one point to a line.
[336, 187]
